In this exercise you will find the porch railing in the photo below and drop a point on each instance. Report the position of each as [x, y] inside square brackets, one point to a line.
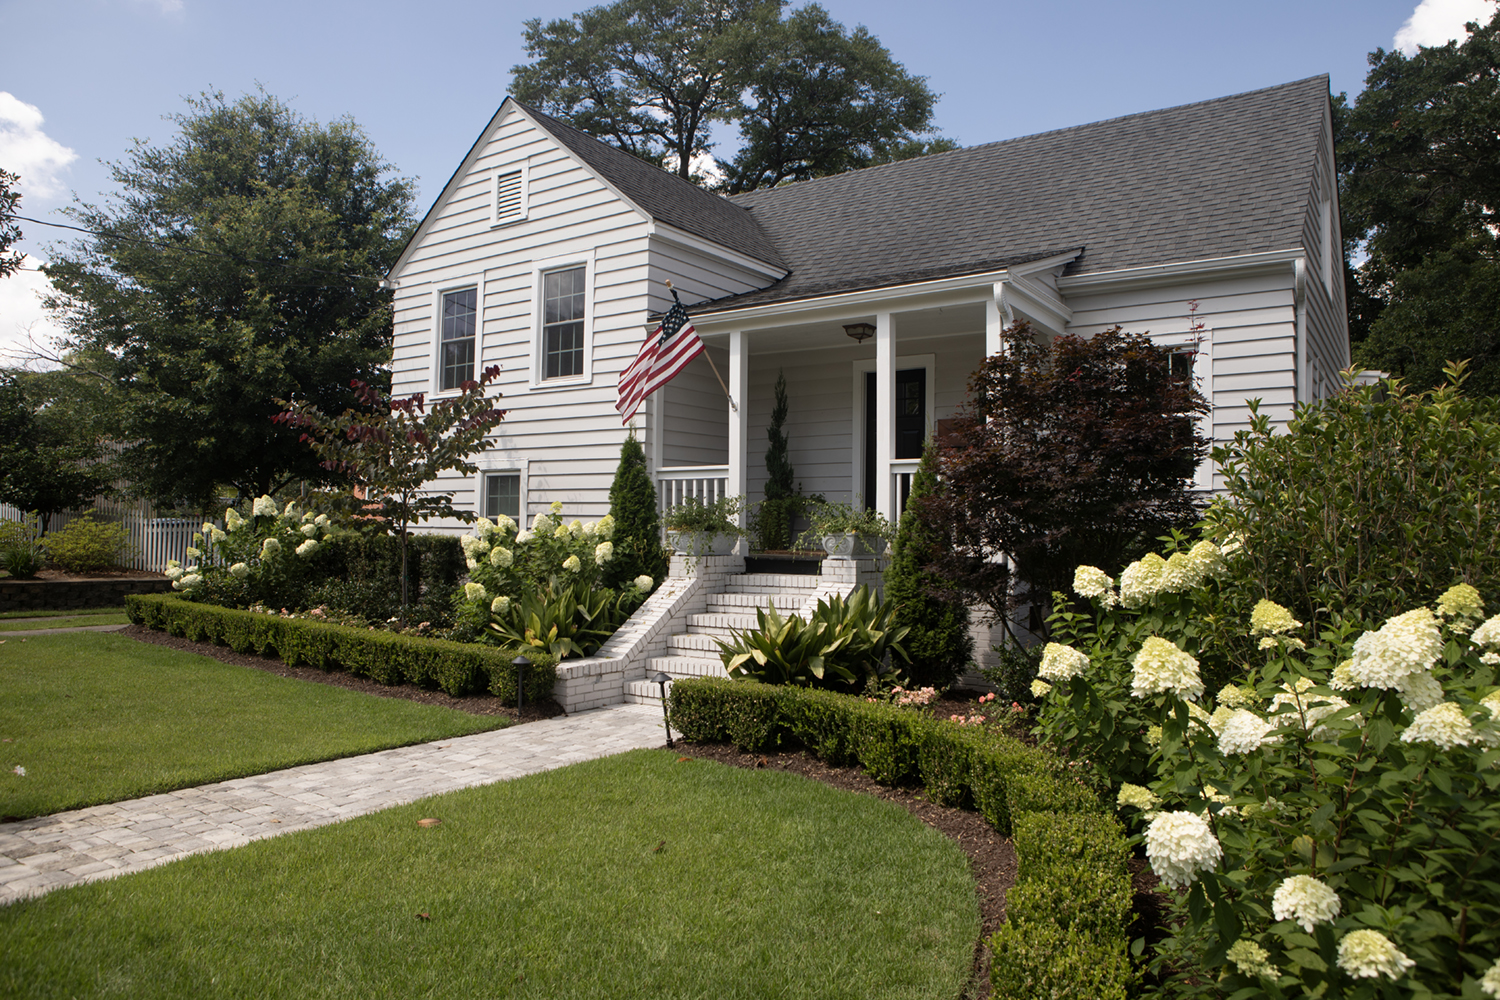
[675, 485]
[903, 471]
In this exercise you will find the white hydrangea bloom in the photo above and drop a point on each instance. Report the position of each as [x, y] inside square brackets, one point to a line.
[1180, 845]
[1343, 677]
[1243, 732]
[1060, 662]
[500, 605]
[467, 543]
[474, 592]
[1444, 725]
[1460, 601]
[603, 553]
[1250, 958]
[576, 528]
[264, 506]
[216, 536]
[193, 552]
[524, 536]
[188, 582]
[1177, 575]
[309, 530]
[472, 563]
[1040, 688]
[291, 509]
[1406, 644]
[562, 531]
[1306, 900]
[307, 548]
[572, 564]
[644, 582]
[175, 573]
[1489, 659]
[505, 523]
[479, 549]
[501, 558]
[589, 529]
[232, 519]
[1197, 713]
[1161, 666]
[1491, 982]
[1233, 696]
[1270, 618]
[1220, 716]
[1487, 634]
[1138, 797]
[239, 570]
[1307, 709]
[606, 527]
[1090, 581]
[1140, 580]
[541, 525]
[1153, 735]
[1207, 560]
[1491, 701]
[483, 526]
[1367, 954]
[269, 547]
[1420, 691]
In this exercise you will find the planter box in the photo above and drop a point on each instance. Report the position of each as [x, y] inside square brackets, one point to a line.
[700, 543]
[854, 546]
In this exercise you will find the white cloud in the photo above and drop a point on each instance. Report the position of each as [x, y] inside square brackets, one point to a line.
[26, 150]
[24, 324]
[1438, 22]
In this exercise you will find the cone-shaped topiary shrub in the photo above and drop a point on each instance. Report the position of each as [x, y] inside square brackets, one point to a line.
[632, 503]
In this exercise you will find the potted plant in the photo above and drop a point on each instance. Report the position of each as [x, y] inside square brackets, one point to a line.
[845, 530]
[695, 528]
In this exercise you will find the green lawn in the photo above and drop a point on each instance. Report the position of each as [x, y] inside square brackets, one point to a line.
[60, 614]
[64, 621]
[765, 885]
[97, 717]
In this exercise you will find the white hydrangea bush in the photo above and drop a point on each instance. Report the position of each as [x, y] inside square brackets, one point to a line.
[258, 549]
[1330, 816]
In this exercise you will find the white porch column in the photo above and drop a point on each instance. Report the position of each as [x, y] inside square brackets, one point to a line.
[739, 423]
[994, 321]
[885, 412]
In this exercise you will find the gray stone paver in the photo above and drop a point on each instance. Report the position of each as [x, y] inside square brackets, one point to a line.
[41, 854]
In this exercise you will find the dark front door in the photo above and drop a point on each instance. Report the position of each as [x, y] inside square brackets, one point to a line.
[911, 421]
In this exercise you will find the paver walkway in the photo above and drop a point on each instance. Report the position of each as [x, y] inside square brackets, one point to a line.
[37, 855]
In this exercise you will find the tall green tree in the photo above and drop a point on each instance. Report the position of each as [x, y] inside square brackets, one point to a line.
[654, 76]
[10, 233]
[238, 265]
[637, 537]
[49, 462]
[1419, 163]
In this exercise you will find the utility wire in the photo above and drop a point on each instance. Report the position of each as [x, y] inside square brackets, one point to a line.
[161, 245]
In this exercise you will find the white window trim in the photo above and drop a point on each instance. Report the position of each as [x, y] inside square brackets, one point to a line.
[435, 376]
[1203, 373]
[861, 369]
[524, 168]
[539, 269]
[502, 465]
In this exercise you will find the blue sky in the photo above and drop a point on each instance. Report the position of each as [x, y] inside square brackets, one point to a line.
[82, 79]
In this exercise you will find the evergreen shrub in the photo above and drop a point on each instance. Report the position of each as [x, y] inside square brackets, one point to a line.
[633, 505]
[85, 545]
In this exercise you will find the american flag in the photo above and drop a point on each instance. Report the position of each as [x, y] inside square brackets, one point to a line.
[666, 352]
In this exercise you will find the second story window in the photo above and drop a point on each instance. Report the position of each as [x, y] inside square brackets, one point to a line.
[457, 338]
[562, 323]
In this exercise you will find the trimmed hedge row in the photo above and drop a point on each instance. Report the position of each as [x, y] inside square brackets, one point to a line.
[385, 657]
[1065, 934]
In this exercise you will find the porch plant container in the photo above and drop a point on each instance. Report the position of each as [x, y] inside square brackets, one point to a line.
[850, 532]
[695, 528]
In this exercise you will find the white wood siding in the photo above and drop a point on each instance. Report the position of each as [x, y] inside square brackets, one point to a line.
[1327, 349]
[695, 422]
[566, 438]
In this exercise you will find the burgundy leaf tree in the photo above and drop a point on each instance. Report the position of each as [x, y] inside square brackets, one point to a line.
[1068, 451]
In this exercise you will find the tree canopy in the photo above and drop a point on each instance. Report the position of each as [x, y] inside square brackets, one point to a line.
[10, 233]
[238, 265]
[49, 460]
[653, 77]
[1419, 164]
[1068, 452]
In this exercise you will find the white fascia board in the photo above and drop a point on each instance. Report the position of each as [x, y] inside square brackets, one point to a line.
[1039, 301]
[671, 234]
[1171, 273]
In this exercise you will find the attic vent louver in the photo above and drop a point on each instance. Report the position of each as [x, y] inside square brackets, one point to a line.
[510, 197]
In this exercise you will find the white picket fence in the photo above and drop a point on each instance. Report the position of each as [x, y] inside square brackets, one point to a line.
[150, 541]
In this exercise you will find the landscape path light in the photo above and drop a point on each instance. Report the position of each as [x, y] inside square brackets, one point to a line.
[520, 663]
[661, 679]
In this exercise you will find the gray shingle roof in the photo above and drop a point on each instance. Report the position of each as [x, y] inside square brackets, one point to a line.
[1214, 179]
[666, 197]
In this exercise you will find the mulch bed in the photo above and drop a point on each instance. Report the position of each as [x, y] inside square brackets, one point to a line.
[991, 857]
[475, 704]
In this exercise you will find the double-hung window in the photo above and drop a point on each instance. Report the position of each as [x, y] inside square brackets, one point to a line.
[563, 305]
[502, 495]
[456, 339]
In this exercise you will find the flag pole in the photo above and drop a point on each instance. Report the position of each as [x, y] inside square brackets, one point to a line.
[709, 356]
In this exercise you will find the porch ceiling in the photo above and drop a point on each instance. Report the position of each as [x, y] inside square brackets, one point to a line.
[916, 324]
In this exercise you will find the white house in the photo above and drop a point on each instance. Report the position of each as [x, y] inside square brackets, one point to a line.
[547, 253]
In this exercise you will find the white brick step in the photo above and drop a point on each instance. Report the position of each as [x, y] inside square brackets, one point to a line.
[721, 624]
[644, 693]
[693, 645]
[746, 603]
[770, 583]
[683, 666]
